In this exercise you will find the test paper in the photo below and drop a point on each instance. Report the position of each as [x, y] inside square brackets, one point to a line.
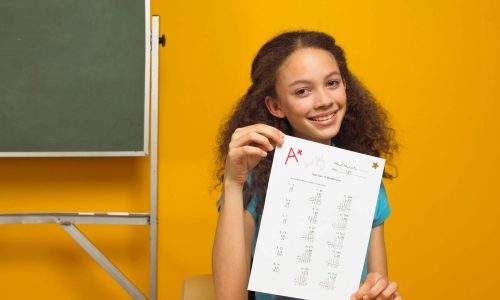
[316, 223]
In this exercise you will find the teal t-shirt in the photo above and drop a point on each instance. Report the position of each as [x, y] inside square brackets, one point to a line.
[382, 212]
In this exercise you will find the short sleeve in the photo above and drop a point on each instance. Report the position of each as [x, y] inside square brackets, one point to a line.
[383, 210]
[251, 207]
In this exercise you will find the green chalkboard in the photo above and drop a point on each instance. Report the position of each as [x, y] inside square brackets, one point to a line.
[72, 77]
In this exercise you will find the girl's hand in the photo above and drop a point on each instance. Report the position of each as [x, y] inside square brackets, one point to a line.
[247, 147]
[378, 287]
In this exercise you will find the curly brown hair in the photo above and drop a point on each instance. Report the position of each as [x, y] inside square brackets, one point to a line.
[365, 127]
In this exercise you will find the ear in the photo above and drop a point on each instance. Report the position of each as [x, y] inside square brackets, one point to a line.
[274, 107]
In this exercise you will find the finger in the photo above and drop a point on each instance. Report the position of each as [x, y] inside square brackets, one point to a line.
[247, 151]
[377, 288]
[272, 133]
[397, 296]
[252, 138]
[363, 289]
[390, 290]
[370, 280]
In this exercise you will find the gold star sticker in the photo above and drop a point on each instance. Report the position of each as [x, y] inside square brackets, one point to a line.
[375, 165]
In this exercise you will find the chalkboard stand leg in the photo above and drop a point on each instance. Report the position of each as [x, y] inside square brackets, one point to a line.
[82, 240]
[154, 158]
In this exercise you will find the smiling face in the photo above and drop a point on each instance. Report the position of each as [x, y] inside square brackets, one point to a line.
[310, 94]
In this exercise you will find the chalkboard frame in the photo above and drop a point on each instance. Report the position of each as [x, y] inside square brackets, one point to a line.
[146, 132]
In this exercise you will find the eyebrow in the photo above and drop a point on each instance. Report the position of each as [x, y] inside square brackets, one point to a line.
[302, 81]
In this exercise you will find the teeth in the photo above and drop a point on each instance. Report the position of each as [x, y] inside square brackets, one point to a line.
[323, 118]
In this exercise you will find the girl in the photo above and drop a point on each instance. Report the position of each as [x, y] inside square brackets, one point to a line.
[301, 86]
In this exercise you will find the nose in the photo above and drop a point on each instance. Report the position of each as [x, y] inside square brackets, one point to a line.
[323, 99]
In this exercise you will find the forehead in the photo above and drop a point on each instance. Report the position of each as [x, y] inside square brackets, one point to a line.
[306, 63]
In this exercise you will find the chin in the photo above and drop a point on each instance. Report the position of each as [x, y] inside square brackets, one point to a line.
[333, 133]
[320, 136]
[322, 139]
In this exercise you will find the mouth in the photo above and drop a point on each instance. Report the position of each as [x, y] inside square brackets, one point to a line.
[322, 118]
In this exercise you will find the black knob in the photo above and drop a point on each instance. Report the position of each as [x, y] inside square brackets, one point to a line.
[162, 40]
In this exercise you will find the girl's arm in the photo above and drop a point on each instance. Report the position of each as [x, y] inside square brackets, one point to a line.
[232, 246]
[233, 237]
[377, 258]
[377, 285]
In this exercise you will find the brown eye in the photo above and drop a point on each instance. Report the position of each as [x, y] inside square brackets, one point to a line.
[333, 83]
[301, 92]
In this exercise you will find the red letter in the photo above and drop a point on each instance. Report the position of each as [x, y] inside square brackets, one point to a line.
[291, 153]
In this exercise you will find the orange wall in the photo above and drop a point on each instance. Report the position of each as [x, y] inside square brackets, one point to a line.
[433, 65]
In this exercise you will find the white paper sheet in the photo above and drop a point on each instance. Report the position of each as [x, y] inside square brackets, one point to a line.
[316, 223]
